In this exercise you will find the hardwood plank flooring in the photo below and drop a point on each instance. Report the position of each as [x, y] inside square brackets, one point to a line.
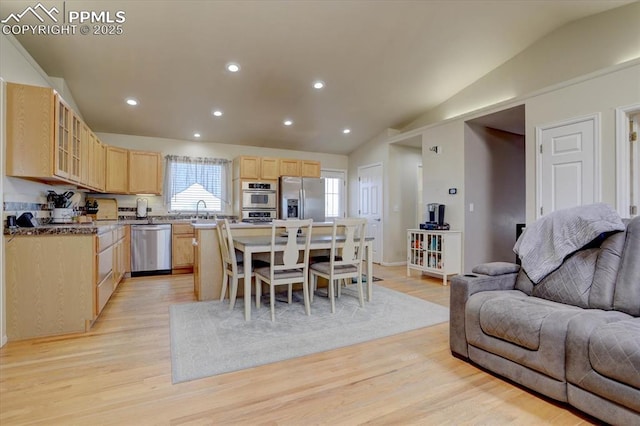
[120, 374]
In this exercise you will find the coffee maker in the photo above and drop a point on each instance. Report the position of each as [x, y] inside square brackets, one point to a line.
[436, 217]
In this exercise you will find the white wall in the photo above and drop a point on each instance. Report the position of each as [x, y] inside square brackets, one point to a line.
[401, 200]
[601, 94]
[205, 149]
[495, 184]
[579, 48]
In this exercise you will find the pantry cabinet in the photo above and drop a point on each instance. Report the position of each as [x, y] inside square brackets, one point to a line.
[117, 170]
[145, 172]
[434, 252]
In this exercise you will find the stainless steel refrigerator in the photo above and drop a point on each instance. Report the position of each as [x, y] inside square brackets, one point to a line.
[302, 198]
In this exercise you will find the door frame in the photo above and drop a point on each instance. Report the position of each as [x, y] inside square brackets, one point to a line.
[360, 168]
[623, 155]
[595, 117]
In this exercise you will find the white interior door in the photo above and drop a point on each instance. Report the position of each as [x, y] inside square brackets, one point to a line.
[634, 160]
[370, 204]
[568, 164]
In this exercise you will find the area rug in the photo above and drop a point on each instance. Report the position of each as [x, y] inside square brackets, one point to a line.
[207, 339]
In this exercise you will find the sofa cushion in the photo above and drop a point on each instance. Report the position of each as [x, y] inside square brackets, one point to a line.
[516, 321]
[570, 284]
[553, 317]
[523, 283]
[604, 279]
[614, 351]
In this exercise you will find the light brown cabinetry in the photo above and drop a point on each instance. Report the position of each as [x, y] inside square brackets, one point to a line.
[145, 172]
[269, 168]
[112, 257]
[246, 167]
[117, 170]
[289, 167]
[43, 135]
[310, 168]
[182, 250]
[46, 140]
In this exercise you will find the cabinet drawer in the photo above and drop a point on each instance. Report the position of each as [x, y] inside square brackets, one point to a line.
[105, 240]
[119, 233]
[182, 228]
[105, 290]
[105, 263]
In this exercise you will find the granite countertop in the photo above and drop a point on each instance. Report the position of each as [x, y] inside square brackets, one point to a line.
[109, 225]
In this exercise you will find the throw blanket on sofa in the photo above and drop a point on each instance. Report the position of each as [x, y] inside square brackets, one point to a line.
[546, 242]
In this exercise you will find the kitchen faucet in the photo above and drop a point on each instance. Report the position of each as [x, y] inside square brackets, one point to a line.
[198, 206]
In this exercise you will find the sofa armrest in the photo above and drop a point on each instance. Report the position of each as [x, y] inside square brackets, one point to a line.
[462, 287]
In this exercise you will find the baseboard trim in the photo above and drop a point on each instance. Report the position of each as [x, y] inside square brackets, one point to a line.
[4, 340]
[393, 263]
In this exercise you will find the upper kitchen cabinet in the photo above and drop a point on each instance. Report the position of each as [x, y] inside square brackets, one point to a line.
[269, 168]
[310, 168]
[117, 170]
[246, 167]
[290, 167]
[46, 140]
[41, 144]
[145, 172]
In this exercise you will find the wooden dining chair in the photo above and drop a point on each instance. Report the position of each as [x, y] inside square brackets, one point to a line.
[345, 262]
[290, 267]
[233, 270]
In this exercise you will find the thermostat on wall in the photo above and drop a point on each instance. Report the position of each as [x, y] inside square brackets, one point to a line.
[453, 191]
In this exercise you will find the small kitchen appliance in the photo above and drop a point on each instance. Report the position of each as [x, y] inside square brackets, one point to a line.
[436, 218]
[141, 208]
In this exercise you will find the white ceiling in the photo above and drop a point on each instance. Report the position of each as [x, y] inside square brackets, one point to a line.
[384, 63]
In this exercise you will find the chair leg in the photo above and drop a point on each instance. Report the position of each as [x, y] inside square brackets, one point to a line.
[360, 292]
[330, 288]
[272, 297]
[290, 294]
[258, 292]
[234, 292]
[305, 291]
[225, 279]
[313, 282]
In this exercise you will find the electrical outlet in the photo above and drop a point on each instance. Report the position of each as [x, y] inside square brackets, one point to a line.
[471, 207]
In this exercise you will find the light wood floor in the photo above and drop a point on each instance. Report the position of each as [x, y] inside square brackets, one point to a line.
[120, 373]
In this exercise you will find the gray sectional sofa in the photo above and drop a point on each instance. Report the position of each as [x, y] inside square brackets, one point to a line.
[574, 336]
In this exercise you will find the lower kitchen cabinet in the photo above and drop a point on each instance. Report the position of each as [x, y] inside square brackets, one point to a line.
[59, 284]
[182, 251]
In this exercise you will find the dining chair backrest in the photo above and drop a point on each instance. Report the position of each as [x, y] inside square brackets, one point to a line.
[226, 245]
[352, 251]
[286, 231]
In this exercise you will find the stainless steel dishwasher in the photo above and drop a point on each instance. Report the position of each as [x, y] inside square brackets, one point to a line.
[150, 250]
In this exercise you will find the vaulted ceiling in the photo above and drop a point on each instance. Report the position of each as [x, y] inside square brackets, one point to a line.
[383, 63]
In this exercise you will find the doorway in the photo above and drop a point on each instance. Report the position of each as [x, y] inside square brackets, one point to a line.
[495, 189]
[628, 161]
[370, 204]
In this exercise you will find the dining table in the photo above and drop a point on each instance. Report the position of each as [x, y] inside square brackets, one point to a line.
[254, 244]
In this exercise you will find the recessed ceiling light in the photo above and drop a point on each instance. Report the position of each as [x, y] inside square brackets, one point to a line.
[132, 102]
[318, 84]
[217, 113]
[288, 122]
[196, 135]
[346, 131]
[233, 67]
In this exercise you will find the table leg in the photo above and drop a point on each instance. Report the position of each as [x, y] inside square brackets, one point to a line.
[369, 271]
[247, 285]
